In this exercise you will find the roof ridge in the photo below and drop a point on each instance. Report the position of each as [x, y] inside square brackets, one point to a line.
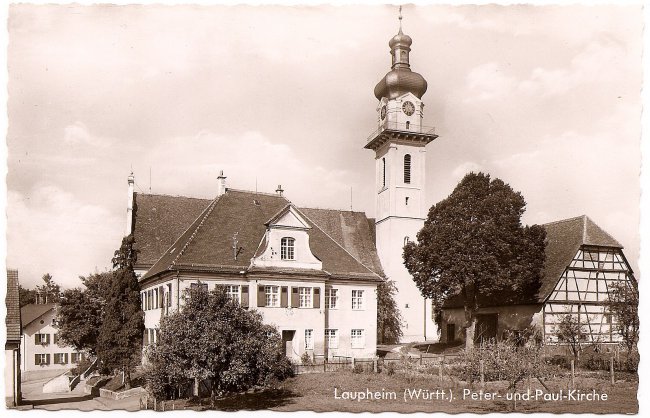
[253, 192]
[342, 247]
[172, 195]
[563, 220]
[336, 210]
[208, 211]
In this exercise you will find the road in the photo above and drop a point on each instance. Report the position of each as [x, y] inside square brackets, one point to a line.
[33, 395]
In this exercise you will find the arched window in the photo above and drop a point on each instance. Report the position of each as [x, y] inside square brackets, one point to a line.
[408, 125]
[406, 240]
[287, 248]
[407, 168]
[383, 172]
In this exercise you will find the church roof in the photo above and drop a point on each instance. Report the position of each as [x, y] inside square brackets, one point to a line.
[563, 240]
[159, 220]
[343, 241]
[13, 307]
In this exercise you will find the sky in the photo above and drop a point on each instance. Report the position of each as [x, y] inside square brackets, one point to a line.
[547, 98]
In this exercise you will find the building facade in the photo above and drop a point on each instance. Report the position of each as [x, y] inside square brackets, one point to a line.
[13, 393]
[40, 349]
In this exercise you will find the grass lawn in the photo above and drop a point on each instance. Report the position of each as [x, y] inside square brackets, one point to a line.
[315, 392]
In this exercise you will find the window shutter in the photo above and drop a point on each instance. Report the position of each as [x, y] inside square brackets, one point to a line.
[284, 296]
[295, 298]
[145, 337]
[47, 340]
[244, 296]
[316, 297]
[37, 339]
[65, 358]
[47, 359]
[261, 296]
[37, 359]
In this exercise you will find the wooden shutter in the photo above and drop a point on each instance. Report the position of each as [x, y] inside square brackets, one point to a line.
[37, 339]
[47, 359]
[37, 359]
[47, 341]
[295, 298]
[261, 296]
[145, 337]
[65, 356]
[284, 296]
[244, 296]
[316, 297]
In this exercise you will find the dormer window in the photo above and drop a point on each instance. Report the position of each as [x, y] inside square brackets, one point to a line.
[287, 248]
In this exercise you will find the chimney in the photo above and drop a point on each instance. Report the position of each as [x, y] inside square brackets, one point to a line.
[279, 190]
[129, 205]
[221, 184]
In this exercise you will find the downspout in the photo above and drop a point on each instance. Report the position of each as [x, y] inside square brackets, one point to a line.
[178, 292]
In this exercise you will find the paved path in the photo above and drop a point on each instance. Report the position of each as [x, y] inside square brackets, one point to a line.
[76, 399]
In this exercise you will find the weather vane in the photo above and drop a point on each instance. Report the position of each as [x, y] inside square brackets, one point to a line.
[400, 17]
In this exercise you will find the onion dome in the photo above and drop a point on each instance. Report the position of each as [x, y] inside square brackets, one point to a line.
[400, 79]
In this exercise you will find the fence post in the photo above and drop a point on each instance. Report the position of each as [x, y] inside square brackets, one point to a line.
[440, 363]
[611, 368]
[375, 367]
[420, 359]
[482, 370]
[353, 362]
[325, 365]
[573, 372]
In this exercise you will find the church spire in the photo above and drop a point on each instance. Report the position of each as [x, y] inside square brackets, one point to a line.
[400, 79]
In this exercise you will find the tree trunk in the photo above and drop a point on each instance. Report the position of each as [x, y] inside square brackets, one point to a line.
[469, 333]
[470, 318]
[195, 390]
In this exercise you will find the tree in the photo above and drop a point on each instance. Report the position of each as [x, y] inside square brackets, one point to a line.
[80, 312]
[623, 304]
[572, 333]
[214, 340]
[49, 292]
[473, 246]
[119, 343]
[389, 318]
[26, 296]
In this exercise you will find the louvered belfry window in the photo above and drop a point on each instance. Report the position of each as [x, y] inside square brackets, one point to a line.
[407, 168]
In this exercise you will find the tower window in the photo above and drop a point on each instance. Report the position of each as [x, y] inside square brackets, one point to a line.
[287, 248]
[406, 201]
[383, 172]
[407, 170]
[406, 240]
[408, 125]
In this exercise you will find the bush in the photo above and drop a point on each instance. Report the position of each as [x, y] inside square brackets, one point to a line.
[306, 359]
[505, 360]
[358, 368]
[389, 368]
[213, 340]
[81, 366]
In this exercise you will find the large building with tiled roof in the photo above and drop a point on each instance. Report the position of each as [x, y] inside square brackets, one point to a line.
[312, 273]
[581, 263]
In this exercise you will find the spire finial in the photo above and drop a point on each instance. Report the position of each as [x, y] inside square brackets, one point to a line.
[400, 18]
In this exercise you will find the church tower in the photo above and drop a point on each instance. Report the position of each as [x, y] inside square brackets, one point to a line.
[399, 143]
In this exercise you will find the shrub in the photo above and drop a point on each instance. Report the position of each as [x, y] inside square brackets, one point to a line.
[389, 368]
[358, 368]
[81, 366]
[216, 341]
[306, 359]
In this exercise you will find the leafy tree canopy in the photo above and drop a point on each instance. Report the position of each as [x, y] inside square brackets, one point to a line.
[474, 247]
[623, 303]
[389, 318]
[213, 339]
[119, 343]
[80, 312]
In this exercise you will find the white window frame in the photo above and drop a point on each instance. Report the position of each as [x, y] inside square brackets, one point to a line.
[305, 298]
[332, 338]
[272, 296]
[331, 295]
[60, 356]
[42, 359]
[236, 295]
[309, 339]
[358, 300]
[287, 248]
[42, 338]
[358, 338]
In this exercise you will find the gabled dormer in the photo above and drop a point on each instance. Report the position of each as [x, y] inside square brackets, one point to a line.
[286, 242]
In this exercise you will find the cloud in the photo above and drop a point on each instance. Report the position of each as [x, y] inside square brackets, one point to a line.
[77, 133]
[459, 172]
[51, 227]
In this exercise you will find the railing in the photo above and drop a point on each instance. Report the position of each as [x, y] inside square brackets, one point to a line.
[401, 127]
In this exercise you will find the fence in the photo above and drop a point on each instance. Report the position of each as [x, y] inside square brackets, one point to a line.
[369, 364]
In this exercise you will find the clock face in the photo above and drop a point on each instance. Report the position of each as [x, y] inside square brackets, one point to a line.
[408, 108]
[383, 112]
